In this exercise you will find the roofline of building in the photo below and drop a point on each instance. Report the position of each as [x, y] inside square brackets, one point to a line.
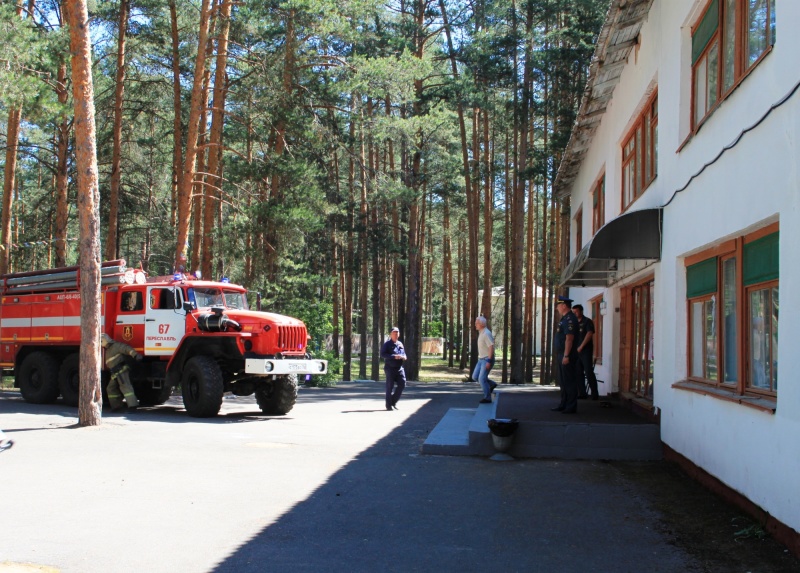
[618, 36]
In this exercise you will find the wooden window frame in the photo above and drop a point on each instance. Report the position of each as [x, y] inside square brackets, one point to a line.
[644, 136]
[732, 248]
[597, 318]
[748, 334]
[579, 230]
[741, 64]
[599, 204]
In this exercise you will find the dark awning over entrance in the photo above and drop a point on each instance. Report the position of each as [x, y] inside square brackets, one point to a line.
[622, 247]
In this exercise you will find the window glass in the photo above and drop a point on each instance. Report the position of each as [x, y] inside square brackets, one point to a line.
[756, 29]
[774, 342]
[697, 339]
[206, 297]
[710, 317]
[235, 299]
[760, 327]
[131, 301]
[729, 45]
[638, 164]
[700, 91]
[729, 338]
[713, 70]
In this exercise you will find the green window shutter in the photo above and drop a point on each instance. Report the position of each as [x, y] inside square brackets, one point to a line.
[761, 260]
[705, 31]
[701, 278]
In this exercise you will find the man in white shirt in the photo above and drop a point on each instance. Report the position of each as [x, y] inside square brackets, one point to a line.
[485, 360]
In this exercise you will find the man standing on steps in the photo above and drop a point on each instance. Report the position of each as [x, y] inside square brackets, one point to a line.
[585, 364]
[485, 360]
[393, 354]
[566, 357]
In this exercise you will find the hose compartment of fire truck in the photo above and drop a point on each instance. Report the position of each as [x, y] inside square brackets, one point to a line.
[199, 336]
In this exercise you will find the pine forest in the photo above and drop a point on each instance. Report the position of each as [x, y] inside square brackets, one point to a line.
[360, 164]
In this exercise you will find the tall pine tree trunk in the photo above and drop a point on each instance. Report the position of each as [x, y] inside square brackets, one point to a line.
[214, 178]
[185, 191]
[112, 248]
[91, 399]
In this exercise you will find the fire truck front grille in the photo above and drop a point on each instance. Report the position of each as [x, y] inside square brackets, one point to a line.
[291, 338]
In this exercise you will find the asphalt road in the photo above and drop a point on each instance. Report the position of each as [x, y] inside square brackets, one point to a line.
[336, 485]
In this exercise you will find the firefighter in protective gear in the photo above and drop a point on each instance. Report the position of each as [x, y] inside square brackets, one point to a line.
[120, 385]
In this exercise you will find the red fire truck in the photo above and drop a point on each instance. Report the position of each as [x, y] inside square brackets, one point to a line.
[194, 334]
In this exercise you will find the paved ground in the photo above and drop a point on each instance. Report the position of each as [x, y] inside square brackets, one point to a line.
[336, 485]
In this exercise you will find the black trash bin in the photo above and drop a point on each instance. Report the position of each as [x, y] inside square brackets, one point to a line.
[503, 430]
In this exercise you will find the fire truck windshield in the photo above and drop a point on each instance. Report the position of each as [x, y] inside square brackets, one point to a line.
[206, 297]
[235, 299]
[228, 298]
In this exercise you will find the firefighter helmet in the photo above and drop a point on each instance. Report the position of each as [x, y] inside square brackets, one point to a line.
[105, 340]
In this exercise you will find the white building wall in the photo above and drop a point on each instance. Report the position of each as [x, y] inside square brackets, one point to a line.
[756, 182]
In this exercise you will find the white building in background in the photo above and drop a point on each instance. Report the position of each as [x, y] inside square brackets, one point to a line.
[498, 311]
[683, 180]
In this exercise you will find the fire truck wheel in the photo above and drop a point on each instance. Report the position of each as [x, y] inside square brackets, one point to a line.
[68, 379]
[278, 397]
[202, 387]
[38, 378]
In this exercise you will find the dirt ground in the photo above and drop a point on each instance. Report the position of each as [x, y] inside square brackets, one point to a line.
[722, 537]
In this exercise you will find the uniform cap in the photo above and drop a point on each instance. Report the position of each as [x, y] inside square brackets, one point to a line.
[395, 329]
[105, 340]
[565, 300]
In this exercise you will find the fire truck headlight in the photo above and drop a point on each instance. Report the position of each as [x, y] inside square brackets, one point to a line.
[321, 366]
[248, 345]
[269, 366]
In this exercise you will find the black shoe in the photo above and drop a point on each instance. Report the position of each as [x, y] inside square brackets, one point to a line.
[492, 385]
[388, 408]
[485, 401]
[395, 406]
[557, 409]
[569, 411]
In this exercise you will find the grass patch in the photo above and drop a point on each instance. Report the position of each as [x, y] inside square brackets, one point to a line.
[7, 382]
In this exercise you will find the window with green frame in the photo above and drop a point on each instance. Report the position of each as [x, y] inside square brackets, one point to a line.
[727, 41]
[733, 304]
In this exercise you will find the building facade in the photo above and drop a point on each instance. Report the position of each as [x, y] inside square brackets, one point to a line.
[682, 180]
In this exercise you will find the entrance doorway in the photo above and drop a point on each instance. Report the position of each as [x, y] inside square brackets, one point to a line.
[636, 348]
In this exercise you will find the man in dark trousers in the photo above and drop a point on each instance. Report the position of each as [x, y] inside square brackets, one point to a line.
[567, 357]
[394, 354]
[585, 366]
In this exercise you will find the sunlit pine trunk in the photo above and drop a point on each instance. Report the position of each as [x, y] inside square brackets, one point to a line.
[185, 191]
[116, 152]
[91, 399]
[214, 179]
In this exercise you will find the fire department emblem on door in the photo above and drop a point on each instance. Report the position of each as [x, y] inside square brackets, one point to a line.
[127, 332]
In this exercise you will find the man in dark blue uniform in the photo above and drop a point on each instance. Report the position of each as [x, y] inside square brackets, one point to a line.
[567, 357]
[585, 342]
[394, 354]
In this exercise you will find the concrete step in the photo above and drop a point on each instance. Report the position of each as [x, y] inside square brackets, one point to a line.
[598, 432]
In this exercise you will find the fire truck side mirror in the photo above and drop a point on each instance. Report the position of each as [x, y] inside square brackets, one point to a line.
[188, 306]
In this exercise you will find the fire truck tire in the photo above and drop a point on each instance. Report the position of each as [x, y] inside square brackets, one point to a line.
[278, 397]
[38, 378]
[69, 380]
[202, 387]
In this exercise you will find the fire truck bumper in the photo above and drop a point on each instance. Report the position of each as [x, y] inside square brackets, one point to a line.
[279, 367]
